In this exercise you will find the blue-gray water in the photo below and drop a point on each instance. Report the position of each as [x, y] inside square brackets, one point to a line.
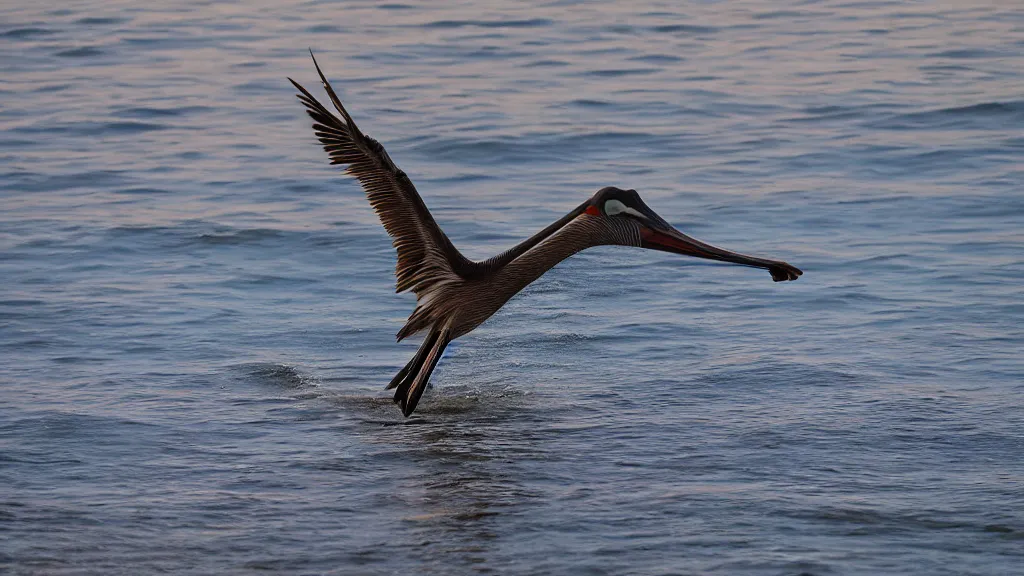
[197, 314]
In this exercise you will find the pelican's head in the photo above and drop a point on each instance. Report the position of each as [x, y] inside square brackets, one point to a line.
[657, 234]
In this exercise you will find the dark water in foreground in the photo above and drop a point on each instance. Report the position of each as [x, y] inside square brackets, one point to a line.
[197, 317]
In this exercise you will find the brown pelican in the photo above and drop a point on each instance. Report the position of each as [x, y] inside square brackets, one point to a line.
[454, 295]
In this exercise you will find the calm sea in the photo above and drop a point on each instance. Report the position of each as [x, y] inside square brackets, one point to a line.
[197, 313]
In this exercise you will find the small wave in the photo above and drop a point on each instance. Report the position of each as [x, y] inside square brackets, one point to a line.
[21, 302]
[985, 108]
[251, 64]
[83, 52]
[526, 23]
[821, 113]
[148, 112]
[620, 72]
[893, 521]
[324, 29]
[90, 128]
[559, 339]
[657, 59]
[957, 116]
[461, 178]
[246, 281]
[141, 191]
[27, 32]
[684, 29]
[257, 87]
[753, 373]
[243, 236]
[966, 54]
[587, 103]
[540, 148]
[78, 360]
[39, 183]
[785, 14]
[101, 20]
[50, 88]
[77, 427]
[129, 127]
[279, 375]
[989, 108]
[546, 64]
[139, 229]
[190, 234]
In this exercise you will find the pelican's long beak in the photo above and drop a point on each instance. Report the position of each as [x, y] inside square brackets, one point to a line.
[660, 235]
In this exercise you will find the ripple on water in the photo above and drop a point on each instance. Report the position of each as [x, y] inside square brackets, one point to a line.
[28, 32]
[986, 115]
[80, 52]
[523, 23]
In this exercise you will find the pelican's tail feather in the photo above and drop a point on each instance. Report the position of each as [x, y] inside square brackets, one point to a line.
[412, 379]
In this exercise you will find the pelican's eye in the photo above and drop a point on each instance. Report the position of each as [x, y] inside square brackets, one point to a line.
[615, 207]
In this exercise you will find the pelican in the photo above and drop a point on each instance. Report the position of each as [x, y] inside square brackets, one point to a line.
[454, 295]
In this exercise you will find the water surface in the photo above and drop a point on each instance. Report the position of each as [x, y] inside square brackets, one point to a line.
[197, 314]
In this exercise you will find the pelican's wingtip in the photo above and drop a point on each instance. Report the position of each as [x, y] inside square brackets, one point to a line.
[318, 71]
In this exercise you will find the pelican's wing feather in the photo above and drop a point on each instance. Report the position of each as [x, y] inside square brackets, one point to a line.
[426, 257]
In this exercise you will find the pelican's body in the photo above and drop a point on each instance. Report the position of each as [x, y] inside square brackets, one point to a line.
[454, 295]
[467, 302]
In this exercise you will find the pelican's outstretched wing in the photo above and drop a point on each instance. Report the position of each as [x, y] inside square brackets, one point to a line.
[426, 257]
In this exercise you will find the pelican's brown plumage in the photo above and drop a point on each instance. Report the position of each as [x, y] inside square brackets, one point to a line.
[454, 295]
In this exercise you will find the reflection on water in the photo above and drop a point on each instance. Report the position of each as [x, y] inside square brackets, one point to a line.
[198, 314]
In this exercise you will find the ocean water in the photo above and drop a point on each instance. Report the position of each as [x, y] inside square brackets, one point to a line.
[197, 312]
